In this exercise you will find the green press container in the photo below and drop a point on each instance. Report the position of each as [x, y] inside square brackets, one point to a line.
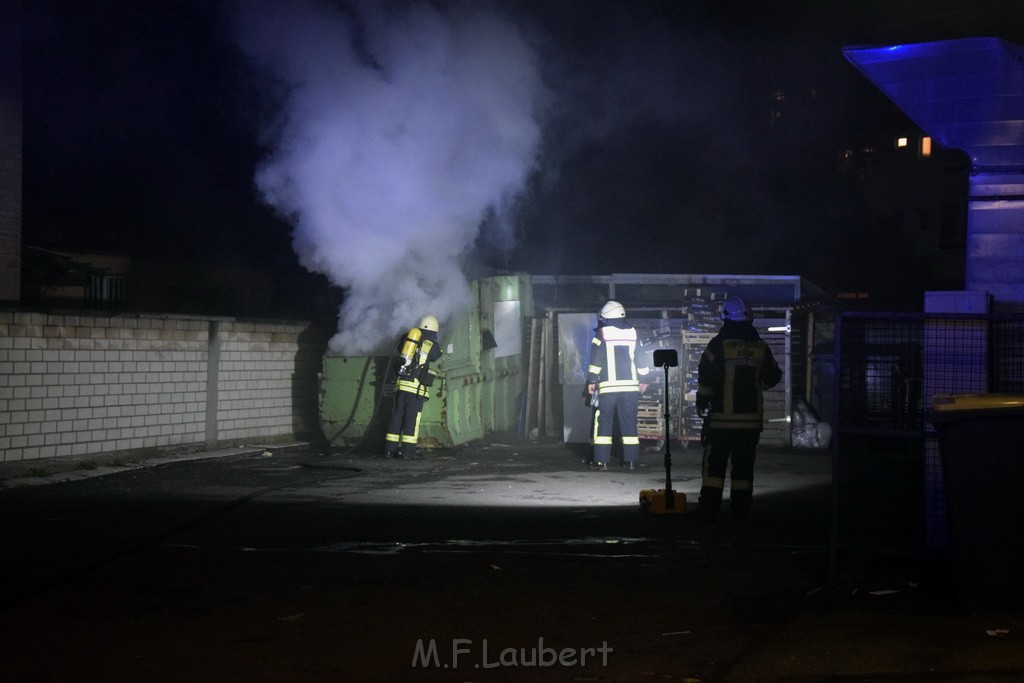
[483, 375]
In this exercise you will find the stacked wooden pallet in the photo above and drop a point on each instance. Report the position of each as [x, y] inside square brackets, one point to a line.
[700, 323]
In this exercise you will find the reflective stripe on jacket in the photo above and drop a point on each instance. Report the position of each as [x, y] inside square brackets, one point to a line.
[735, 370]
[418, 378]
[613, 358]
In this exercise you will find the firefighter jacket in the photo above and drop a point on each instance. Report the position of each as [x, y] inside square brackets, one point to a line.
[735, 370]
[613, 358]
[418, 376]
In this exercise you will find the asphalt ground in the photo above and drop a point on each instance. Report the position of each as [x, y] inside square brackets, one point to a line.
[493, 561]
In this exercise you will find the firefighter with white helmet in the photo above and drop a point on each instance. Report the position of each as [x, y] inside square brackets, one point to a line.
[735, 370]
[415, 377]
[613, 384]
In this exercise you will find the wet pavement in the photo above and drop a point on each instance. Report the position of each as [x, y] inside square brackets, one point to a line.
[493, 561]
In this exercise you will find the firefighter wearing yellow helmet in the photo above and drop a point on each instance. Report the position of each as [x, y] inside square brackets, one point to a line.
[735, 370]
[613, 384]
[419, 349]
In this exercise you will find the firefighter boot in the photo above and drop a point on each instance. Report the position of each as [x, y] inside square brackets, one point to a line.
[739, 503]
[708, 503]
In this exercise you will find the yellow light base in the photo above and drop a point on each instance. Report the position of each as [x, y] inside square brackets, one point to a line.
[654, 501]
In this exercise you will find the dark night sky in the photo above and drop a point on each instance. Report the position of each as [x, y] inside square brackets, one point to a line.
[142, 119]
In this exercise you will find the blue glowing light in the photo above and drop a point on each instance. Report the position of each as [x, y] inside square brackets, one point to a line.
[968, 94]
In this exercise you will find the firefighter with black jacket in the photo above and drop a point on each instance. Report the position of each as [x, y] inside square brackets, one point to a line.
[415, 377]
[735, 370]
[613, 384]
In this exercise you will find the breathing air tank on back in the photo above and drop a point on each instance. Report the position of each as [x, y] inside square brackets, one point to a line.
[412, 340]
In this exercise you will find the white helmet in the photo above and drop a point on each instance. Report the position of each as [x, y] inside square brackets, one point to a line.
[429, 322]
[612, 309]
[735, 308]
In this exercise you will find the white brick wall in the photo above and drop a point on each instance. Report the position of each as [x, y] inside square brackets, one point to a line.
[78, 385]
[257, 364]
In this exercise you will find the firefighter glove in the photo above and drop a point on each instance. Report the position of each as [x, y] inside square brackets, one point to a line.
[703, 404]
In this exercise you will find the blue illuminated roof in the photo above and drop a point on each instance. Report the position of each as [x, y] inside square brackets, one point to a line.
[967, 94]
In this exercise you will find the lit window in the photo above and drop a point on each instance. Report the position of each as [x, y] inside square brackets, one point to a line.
[901, 142]
[926, 146]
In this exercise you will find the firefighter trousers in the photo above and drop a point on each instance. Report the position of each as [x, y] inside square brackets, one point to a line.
[721, 447]
[404, 429]
[615, 406]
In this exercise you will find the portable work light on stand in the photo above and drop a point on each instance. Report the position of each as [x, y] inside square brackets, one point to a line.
[665, 501]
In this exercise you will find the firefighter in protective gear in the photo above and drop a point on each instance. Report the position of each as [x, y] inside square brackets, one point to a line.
[735, 370]
[613, 379]
[415, 377]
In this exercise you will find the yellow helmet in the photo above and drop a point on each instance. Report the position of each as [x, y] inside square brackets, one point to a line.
[429, 322]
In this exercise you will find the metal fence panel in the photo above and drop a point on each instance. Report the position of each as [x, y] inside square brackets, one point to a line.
[887, 474]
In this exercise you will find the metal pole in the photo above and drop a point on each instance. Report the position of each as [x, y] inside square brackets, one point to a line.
[670, 499]
[837, 370]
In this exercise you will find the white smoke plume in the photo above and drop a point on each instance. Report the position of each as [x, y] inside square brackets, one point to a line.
[402, 126]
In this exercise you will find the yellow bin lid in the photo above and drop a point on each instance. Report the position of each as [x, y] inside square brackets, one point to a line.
[954, 405]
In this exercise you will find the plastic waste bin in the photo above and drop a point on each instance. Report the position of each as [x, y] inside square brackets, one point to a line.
[981, 443]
